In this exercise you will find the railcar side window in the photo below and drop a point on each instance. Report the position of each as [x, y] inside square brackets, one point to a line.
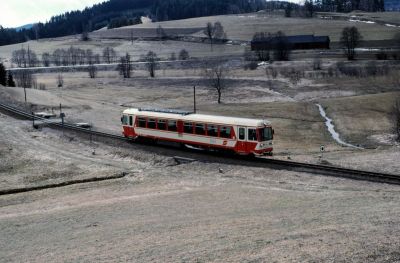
[242, 134]
[162, 125]
[212, 130]
[225, 132]
[200, 129]
[172, 125]
[124, 120]
[151, 124]
[130, 120]
[252, 135]
[188, 127]
[142, 122]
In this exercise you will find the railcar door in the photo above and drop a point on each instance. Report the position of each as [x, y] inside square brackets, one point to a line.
[241, 143]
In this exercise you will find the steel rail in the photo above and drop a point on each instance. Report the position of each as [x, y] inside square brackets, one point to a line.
[282, 164]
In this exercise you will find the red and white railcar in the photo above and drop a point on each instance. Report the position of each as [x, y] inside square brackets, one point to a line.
[241, 135]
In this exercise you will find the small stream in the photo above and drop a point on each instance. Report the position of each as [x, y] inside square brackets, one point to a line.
[331, 129]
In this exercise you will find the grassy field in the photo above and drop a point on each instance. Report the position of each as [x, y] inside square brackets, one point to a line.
[243, 27]
[135, 49]
[386, 17]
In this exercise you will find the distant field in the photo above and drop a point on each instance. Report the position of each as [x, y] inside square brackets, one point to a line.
[243, 27]
[388, 17]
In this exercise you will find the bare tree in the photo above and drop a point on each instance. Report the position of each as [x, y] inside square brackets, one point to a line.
[213, 32]
[19, 57]
[288, 10]
[161, 34]
[46, 59]
[209, 32]
[35, 29]
[350, 39]
[24, 58]
[183, 54]
[173, 56]
[281, 46]
[96, 59]
[92, 70]
[263, 52]
[151, 59]
[125, 66]
[309, 8]
[73, 54]
[25, 79]
[60, 81]
[109, 55]
[81, 54]
[396, 40]
[215, 75]
[89, 56]
[57, 57]
[317, 63]
[219, 32]
[85, 35]
[396, 119]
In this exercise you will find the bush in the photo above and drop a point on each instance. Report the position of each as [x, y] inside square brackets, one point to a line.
[183, 54]
[381, 56]
[251, 65]
[272, 72]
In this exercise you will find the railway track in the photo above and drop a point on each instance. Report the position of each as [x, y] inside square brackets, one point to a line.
[261, 162]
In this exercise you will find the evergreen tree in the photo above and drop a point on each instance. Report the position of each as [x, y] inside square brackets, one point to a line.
[3, 75]
[10, 80]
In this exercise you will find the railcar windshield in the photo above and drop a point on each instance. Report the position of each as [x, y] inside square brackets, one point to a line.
[265, 134]
[124, 120]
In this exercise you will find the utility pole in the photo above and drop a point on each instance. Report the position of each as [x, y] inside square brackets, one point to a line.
[26, 107]
[62, 115]
[194, 99]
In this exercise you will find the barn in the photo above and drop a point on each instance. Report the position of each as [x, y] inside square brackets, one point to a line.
[294, 42]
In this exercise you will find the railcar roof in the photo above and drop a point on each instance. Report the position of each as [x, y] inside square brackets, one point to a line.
[199, 118]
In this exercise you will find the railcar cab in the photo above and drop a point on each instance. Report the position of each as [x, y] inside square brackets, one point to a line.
[128, 122]
[256, 140]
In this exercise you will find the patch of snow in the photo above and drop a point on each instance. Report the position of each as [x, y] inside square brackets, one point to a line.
[145, 20]
[367, 49]
[390, 25]
[387, 139]
[263, 63]
[362, 21]
[331, 129]
[242, 16]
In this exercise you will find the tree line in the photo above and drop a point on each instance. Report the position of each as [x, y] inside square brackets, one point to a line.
[346, 5]
[164, 10]
[72, 56]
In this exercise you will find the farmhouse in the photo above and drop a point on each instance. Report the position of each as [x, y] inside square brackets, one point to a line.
[295, 42]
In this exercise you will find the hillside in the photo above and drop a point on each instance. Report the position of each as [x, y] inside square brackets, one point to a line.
[117, 13]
